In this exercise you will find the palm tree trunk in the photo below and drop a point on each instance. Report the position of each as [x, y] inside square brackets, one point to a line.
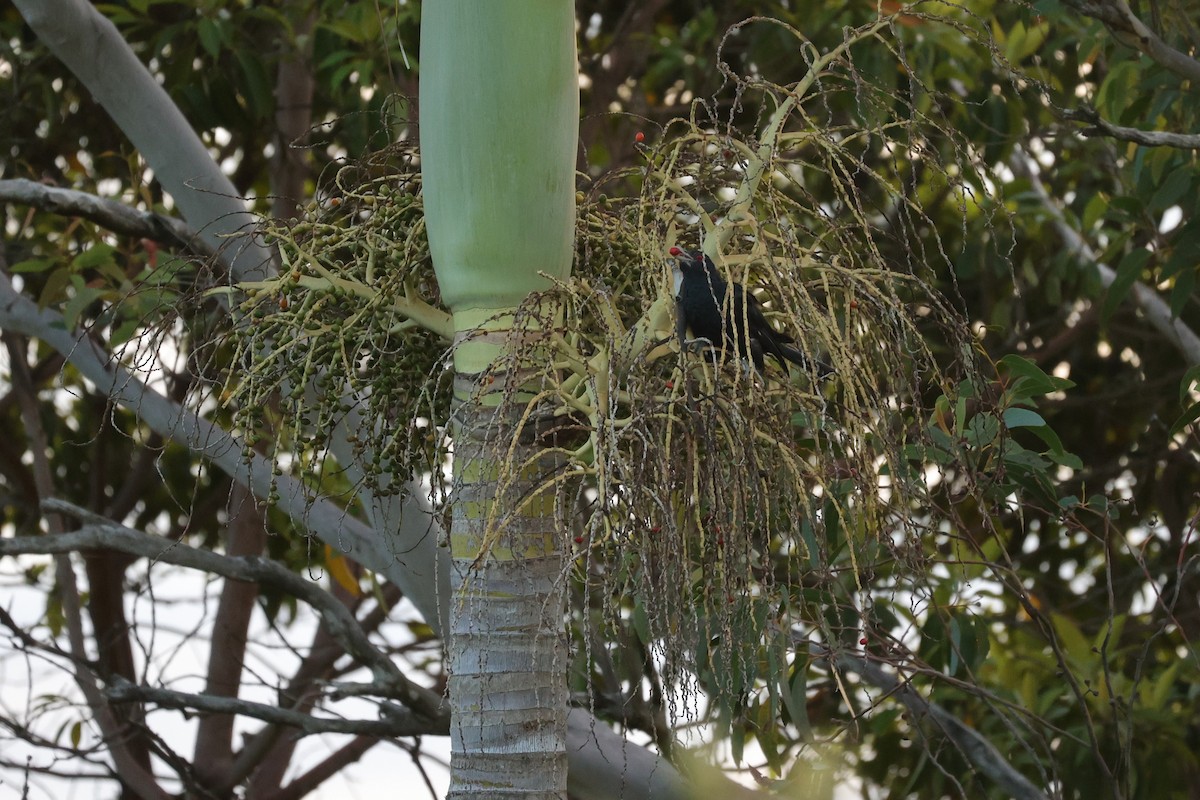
[499, 118]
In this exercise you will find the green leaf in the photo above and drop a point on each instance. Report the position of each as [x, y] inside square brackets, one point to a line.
[737, 743]
[1131, 207]
[55, 289]
[1032, 381]
[1094, 211]
[34, 265]
[795, 698]
[983, 642]
[641, 623]
[1057, 452]
[55, 619]
[1190, 379]
[123, 332]
[1185, 245]
[1177, 184]
[933, 641]
[1024, 42]
[1128, 271]
[1181, 292]
[811, 551]
[1110, 99]
[1024, 459]
[1189, 416]
[955, 645]
[259, 95]
[1102, 506]
[1076, 645]
[982, 430]
[210, 36]
[1014, 40]
[94, 257]
[1160, 690]
[1022, 418]
[83, 297]
[945, 447]
[1069, 460]
[76, 733]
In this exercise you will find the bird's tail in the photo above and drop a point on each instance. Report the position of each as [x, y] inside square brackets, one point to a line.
[805, 363]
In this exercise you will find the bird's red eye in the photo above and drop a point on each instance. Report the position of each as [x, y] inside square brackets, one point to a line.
[675, 251]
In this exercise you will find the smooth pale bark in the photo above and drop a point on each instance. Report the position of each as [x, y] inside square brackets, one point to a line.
[499, 125]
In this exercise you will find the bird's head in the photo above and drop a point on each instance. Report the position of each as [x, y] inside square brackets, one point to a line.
[691, 262]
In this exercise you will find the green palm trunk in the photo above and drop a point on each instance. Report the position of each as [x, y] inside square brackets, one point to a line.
[499, 125]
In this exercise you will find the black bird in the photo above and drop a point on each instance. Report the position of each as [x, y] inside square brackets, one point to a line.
[704, 305]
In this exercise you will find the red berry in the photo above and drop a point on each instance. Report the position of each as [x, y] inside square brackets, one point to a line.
[639, 137]
[863, 640]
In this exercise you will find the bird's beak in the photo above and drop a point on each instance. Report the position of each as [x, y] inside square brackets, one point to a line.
[677, 257]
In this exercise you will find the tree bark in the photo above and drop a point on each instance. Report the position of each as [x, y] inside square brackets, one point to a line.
[507, 645]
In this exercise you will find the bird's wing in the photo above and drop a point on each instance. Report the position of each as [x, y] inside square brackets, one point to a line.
[754, 314]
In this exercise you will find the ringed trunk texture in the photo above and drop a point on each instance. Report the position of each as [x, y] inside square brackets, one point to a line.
[508, 660]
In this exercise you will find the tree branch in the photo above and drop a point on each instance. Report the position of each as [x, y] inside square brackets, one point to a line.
[404, 549]
[120, 690]
[92, 48]
[100, 532]
[977, 749]
[129, 755]
[263, 757]
[403, 545]
[109, 214]
[293, 117]
[330, 523]
[307, 782]
[245, 535]
[1157, 311]
[1102, 127]
[605, 766]
[1132, 32]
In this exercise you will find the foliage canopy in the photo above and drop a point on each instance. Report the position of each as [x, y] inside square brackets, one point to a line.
[989, 499]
